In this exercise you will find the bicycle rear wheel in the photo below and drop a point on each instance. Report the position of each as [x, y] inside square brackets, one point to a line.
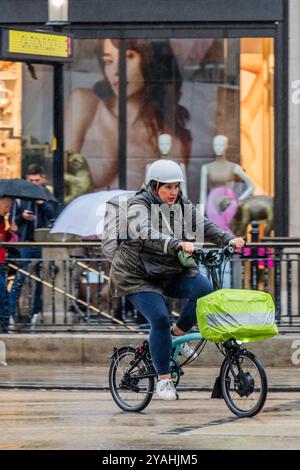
[130, 390]
[244, 384]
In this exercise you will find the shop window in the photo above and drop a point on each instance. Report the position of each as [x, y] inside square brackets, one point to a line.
[257, 130]
[10, 119]
[37, 118]
[257, 112]
[91, 121]
[207, 103]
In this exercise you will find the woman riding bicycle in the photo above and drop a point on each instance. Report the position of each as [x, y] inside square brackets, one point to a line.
[148, 265]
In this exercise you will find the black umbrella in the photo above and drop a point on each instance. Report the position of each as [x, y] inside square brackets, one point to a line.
[21, 189]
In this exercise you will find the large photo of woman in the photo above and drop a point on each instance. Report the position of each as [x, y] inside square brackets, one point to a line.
[175, 88]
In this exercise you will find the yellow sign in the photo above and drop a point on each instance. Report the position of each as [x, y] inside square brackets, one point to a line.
[39, 44]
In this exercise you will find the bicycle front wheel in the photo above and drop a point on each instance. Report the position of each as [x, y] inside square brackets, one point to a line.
[244, 384]
[129, 388]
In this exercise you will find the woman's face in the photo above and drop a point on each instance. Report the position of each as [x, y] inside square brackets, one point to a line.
[135, 80]
[168, 192]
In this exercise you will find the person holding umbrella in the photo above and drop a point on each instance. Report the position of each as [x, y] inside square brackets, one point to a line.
[29, 215]
[6, 233]
[11, 189]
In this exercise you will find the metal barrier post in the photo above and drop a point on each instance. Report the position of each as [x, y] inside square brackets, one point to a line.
[277, 281]
[254, 263]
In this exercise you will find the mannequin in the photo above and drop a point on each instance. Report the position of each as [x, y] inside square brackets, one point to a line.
[218, 184]
[221, 172]
[164, 146]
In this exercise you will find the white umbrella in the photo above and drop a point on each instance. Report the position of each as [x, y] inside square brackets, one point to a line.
[84, 215]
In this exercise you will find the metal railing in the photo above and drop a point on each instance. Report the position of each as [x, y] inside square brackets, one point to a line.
[75, 295]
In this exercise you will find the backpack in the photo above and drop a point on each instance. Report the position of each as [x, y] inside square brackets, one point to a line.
[115, 211]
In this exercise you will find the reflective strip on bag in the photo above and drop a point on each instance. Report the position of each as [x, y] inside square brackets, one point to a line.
[245, 319]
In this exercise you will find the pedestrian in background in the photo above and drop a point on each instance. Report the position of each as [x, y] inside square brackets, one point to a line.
[6, 233]
[28, 216]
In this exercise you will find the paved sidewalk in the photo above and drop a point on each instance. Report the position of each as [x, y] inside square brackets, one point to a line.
[67, 376]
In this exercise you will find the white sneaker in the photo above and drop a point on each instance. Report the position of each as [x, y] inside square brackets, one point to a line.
[34, 318]
[165, 389]
[188, 351]
[11, 323]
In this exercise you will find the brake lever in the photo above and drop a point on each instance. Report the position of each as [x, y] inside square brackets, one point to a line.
[198, 255]
[229, 250]
[211, 256]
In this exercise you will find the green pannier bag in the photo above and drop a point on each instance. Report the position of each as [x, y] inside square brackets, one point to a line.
[246, 315]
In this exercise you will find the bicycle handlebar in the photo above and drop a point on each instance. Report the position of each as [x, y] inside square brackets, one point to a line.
[212, 258]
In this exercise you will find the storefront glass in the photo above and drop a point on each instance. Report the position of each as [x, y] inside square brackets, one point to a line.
[180, 94]
[37, 117]
[10, 119]
[26, 118]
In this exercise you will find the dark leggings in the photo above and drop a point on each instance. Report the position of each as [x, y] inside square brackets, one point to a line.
[153, 307]
[4, 312]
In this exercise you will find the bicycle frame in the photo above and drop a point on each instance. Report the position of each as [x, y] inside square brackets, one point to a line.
[179, 340]
[143, 354]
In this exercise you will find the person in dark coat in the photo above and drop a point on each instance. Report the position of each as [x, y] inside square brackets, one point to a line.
[28, 216]
[147, 267]
[6, 233]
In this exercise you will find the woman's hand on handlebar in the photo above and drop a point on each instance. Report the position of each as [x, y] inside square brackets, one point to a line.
[237, 242]
[187, 247]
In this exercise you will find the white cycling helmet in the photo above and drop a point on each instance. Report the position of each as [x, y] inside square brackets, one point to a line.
[164, 171]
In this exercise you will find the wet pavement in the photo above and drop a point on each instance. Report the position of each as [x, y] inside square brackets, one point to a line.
[64, 419]
[70, 407]
[96, 377]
